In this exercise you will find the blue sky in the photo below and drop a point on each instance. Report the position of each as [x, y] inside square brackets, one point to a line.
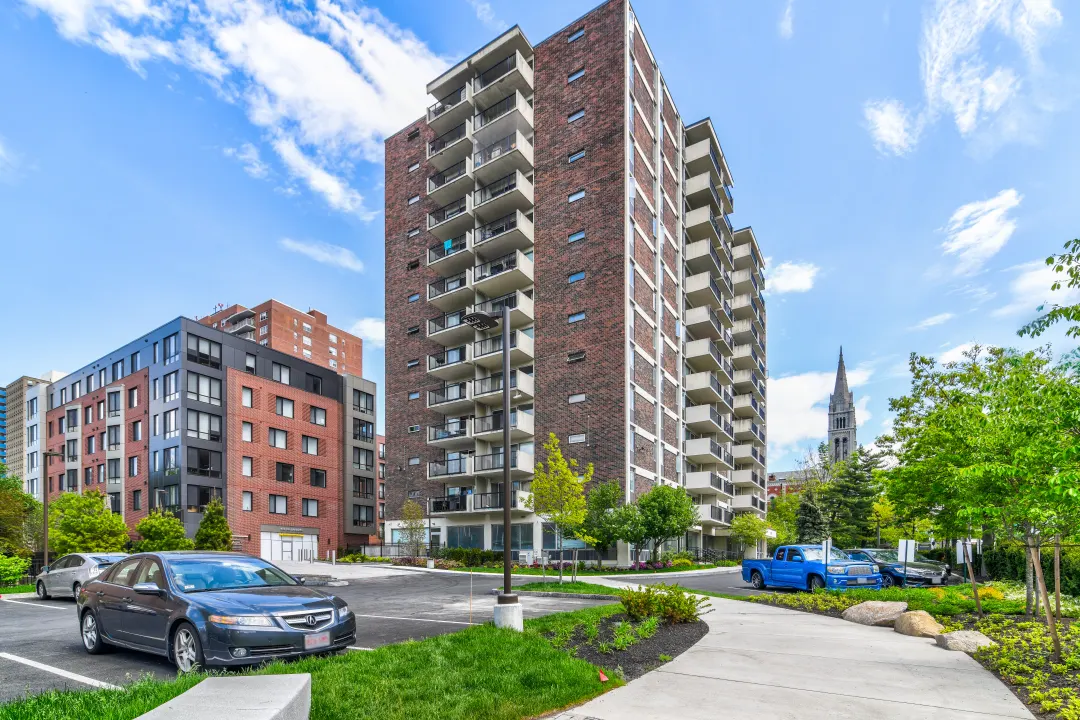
[903, 164]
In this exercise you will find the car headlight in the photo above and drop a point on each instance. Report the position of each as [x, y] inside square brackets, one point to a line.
[242, 620]
[877, 568]
[837, 570]
[343, 612]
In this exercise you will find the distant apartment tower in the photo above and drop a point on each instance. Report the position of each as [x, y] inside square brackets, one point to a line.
[306, 335]
[3, 425]
[560, 180]
[188, 413]
[25, 399]
[382, 487]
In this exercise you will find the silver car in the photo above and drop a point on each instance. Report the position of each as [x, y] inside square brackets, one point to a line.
[70, 572]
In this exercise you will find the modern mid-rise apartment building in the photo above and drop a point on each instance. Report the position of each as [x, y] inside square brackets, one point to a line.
[25, 399]
[381, 480]
[306, 335]
[561, 181]
[187, 413]
[3, 425]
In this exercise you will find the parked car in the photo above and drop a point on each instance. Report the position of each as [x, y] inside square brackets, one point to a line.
[921, 573]
[801, 567]
[70, 572]
[203, 608]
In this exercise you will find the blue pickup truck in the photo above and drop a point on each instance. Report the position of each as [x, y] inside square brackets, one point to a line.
[801, 567]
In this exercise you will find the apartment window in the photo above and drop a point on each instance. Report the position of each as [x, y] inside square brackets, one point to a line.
[363, 459]
[172, 386]
[155, 427]
[114, 469]
[309, 508]
[172, 348]
[413, 233]
[414, 461]
[133, 466]
[412, 363]
[283, 407]
[414, 395]
[249, 363]
[575, 196]
[102, 379]
[363, 514]
[136, 500]
[318, 416]
[113, 434]
[309, 445]
[575, 356]
[576, 75]
[203, 426]
[363, 401]
[204, 462]
[577, 398]
[155, 462]
[117, 370]
[576, 35]
[245, 501]
[72, 418]
[575, 237]
[156, 352]
[414, 330]
[136, 431]
[363, 430]
[307, 341]
[264, 343]
[245, 466]
[362, 487]
[318, 477]
[413, 134]
[313, 384]
[575, 156]
[333, 363]
[576, 115]
[414, 297]
[245, 432]
[63, 396]
[280, 373]
[91, 445]
[203, 388]
[414, 199]
[245, 397]
[576, 438]
[278, 505]
[284, 472]
[263, 329]
[133, 397]
[414, 428]
[306, 326]
[575, 317]
[155, 388]
[203, 351]
[279, 438]
[415, 166]
[88, 415]
[576, 277]
[333, 351]
[172, 426]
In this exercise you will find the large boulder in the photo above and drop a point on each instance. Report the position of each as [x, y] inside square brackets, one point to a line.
[964, 640]
[918, 623]
[881, 614]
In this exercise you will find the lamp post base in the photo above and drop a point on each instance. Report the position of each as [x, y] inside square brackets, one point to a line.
[509, 613]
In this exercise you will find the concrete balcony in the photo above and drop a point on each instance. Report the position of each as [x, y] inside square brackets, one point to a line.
[507, 195]
[453, 434]
[749, 381]
[701, 191]
[448, 504]
[748, 357]
[449, 329]
[747, 282]
[709, 483]
[702, 354]
[743, 503]
[714, 516]
[747, 307]
[510, 74]
[451, 147]
[452, 110]
[748, 406]
[706, 451]
[701, 257]
[510, 232]
[725, 344]
[520, 304]
[451, 364]
[702, 289]
[748, 478]
[488, 353]
[492, 502]
[703, 388]
[744, 332]
[749, 431]
[452, 219]
[522, 465]
[489, 428]
[502, 157]
[452, 256]
[701, 157]
[512, 113]
[703, 224]
[747, 256]
[703, 419]
[749, 455]
[488, 391]
[449, 470]
[453, 292]
[453, 182]
[703, 322]
[503, 275]
[452, 398]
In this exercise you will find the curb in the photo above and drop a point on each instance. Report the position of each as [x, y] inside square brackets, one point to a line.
[613, 576]
[17, 596]
[545, 593]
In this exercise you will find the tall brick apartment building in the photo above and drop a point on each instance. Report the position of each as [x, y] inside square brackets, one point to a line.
[188, 413]
[561, 180]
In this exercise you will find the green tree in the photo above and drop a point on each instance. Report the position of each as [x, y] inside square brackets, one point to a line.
[748, 529]
[667, 512]
[214, 532]
[17, 509]
[810, 523]
[632, 528]
[601, 524]
[558, 492]
[413, 530]
[781, 517]
[161, 531]
[1067, 267]
[848, 501]
[84, 523]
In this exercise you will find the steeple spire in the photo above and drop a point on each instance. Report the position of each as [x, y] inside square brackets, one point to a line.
[841, 390]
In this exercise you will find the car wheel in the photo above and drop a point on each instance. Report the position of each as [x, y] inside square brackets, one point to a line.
[91, 634]
[887, 581]
[816, 583]
[757, 581]
[41, 592]
[186, 648]
[75, 590]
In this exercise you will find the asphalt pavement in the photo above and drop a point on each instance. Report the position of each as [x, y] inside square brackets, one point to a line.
[727, 583]
[40, 647]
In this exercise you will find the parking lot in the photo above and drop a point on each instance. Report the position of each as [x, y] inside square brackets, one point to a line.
[40, 648]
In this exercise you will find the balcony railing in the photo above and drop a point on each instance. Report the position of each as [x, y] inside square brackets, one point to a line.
[495, 189]
[495, 267]
[492, 345]
[449, 430]
[720, 515]
[445, 321]
[496, 111]
[494, 461]
[495, 150]
[450, 174]
[458, 466]
[447, 138]
[448, 212]
[452, 100]
[492, 501]
[492, 384]
[449, 503]
[496, 228]
[447, 285]
[491, 423]
[495, 72]
[495, 305]
[451, 356]
[449, 393]
[441, 250]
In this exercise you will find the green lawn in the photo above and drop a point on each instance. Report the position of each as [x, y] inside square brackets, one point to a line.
[592, 571]
[16, 589]
[568, 587]
[480, 672]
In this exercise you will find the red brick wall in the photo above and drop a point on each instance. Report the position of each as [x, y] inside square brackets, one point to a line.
[264, 458]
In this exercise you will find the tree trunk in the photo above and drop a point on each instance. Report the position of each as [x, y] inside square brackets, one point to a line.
[1028, 577]
[1057, 577]
[1050, 622]
[560, 557]
[971, 574]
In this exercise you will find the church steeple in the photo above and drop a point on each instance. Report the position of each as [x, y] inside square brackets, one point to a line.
[842, 423]
[841, 388]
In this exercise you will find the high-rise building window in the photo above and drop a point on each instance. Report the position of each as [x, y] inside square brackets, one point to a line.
[309, 508]
[280, 373]
[576, 115]
[575, 317]
[245, 466]
[318, 416]
[575, 237]
[284, 472]
[576, 277]
[246, 501]
[576, 35]
[245, 397]
[278, 505]
[575, 156]
[575, 196]
[577, 74]
[284, 407]
[318, 477]
[279, 438]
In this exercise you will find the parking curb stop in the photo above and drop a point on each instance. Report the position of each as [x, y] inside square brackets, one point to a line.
[259, 697]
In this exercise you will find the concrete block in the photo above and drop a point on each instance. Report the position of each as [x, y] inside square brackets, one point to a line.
[261, 697]
[511, 617]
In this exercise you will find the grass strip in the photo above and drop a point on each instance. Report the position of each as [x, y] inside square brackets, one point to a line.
[577, 588]
[606, 572]
[14, 589]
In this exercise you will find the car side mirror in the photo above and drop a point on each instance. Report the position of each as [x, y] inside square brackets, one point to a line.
[147, 588]
[299, 579]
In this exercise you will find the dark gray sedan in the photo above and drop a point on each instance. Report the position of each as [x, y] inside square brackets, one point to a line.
[203, 608]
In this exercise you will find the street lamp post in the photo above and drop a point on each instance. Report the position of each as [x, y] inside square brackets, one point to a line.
[45, 504]
[508, 611]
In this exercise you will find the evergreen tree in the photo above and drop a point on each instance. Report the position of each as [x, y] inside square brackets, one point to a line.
[848, 501]
[810, 523]
[214, 532]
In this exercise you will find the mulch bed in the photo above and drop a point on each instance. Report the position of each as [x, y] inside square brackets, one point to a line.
[670, 639]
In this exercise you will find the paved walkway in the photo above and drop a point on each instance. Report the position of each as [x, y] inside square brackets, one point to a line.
[764, 662]
[341, 571]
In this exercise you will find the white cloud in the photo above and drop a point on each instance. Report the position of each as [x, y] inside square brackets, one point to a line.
[1031, 289]
[933, 321]
[486, 15]
[955, 354]
[978, 230]
[799, 405]
[791, 277]
[325, 81]
[959, 81]
[324, 253]
[786, 28]
[371, 330]
[248, 155]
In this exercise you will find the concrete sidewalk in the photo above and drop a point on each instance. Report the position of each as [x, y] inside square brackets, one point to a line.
[760, 661]
[341, 571]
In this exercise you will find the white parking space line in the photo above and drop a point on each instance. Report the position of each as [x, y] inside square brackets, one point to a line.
[37, 605]
[416, 619]
[57, 671]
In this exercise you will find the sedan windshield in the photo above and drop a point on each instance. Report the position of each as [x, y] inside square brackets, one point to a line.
[814, 555]
[885, 556]
[234, 573]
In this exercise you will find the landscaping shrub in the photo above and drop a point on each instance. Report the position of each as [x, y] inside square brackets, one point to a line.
[682, 555]
[1006, 562]
[682, 562]
[639, 604]
[670, 602]
[13, 569]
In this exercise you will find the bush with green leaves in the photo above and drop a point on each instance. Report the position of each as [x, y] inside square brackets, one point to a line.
[161, 531]
[682, 563]
[13, 569]
[84, 523]
[214, 532]
[669, 602]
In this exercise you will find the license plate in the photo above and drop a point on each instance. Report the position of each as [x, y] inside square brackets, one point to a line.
[866, 581]
[935, 581]
[318, 640]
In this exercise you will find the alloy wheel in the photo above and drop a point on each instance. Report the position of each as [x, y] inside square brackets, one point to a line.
[89, 631]
[184, 651]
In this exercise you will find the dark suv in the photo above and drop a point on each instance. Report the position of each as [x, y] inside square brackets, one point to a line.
[206, 608]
